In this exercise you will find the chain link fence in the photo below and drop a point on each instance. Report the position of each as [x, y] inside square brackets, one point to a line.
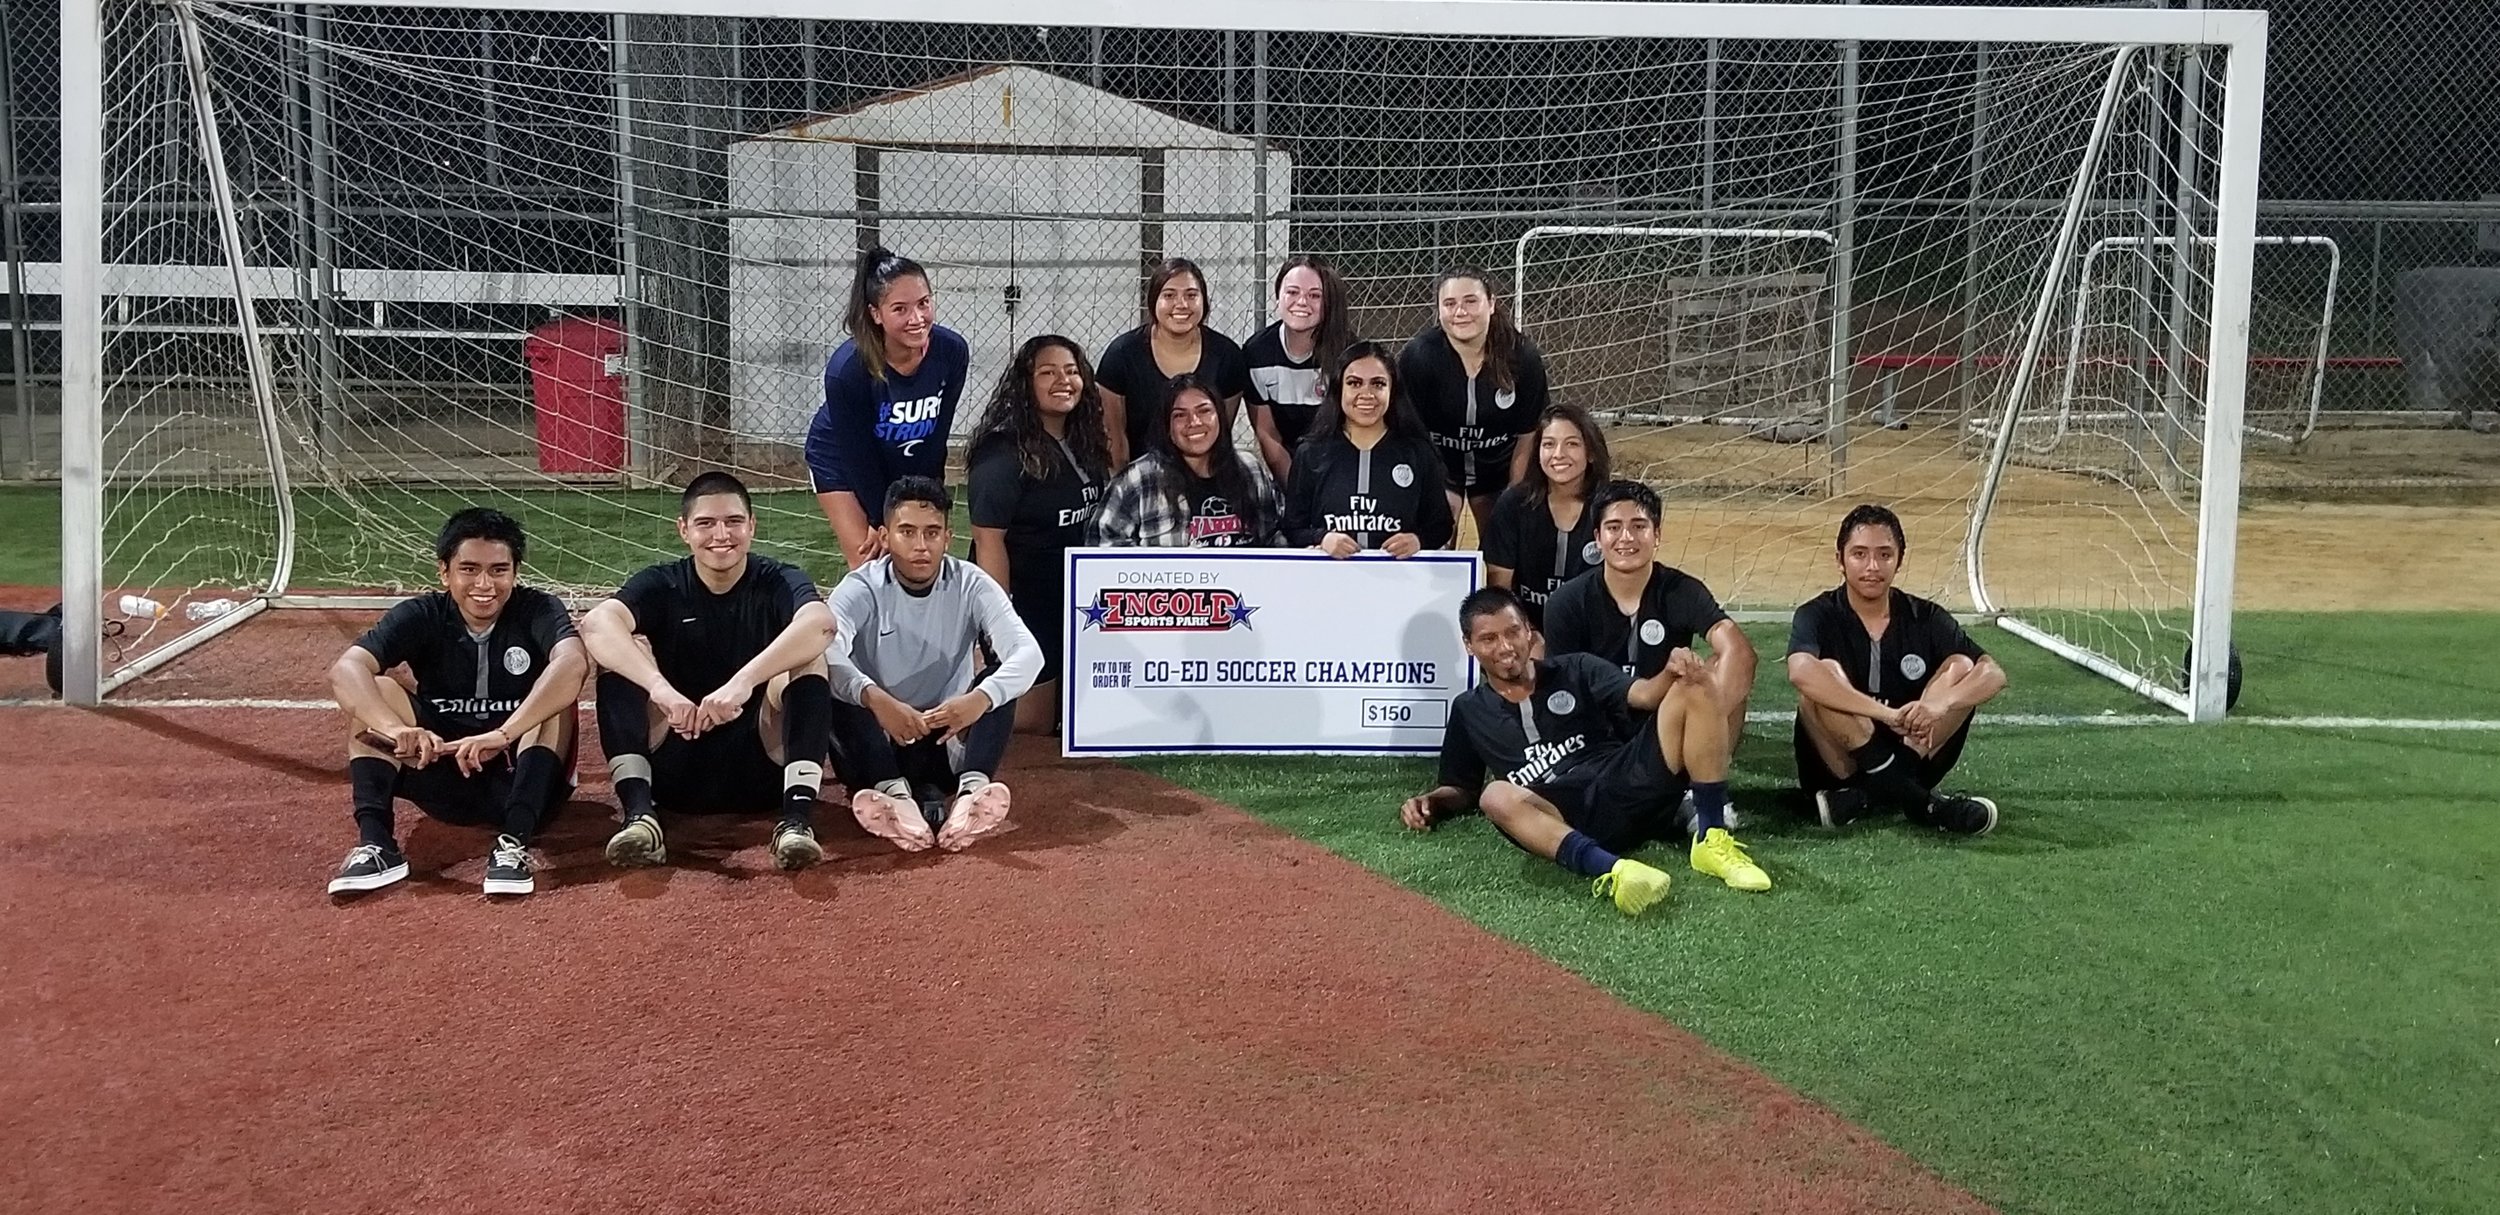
[2380, 136]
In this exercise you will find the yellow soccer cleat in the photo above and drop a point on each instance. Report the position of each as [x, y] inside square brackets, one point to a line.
[1633, 886]
[1720, 856]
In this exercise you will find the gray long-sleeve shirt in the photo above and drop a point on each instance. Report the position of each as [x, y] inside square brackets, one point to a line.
[920, 647]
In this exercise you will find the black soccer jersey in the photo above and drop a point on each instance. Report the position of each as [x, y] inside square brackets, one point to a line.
[1894, 668]
[701, 639]
[1522, 538]
[1394, 487]
[1575, 718]
[1290, 389]
[1475, 425]
[468, 684]
[1128, 367]
[1042, 518]
[1582, 618]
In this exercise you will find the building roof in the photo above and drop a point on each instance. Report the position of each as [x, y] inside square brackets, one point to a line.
[1006, 106]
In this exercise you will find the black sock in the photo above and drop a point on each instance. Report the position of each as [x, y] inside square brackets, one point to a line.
[1884, 772]
[370, 783]
[625, 734]
[534, 777]
[807, 738]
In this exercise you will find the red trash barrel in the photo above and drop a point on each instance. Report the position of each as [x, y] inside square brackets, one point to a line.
[577, 380]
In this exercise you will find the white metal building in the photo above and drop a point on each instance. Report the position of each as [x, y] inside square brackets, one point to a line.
[1033, 199]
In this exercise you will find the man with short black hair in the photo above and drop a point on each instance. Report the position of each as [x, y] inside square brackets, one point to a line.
[1886, 686]
[1576, 776]
[488, 737]
[746, 634]
[921, 737]
[1643, 615]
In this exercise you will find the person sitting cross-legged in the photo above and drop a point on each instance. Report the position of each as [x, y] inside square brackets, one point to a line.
[488, 737]
[1574, 777]
[920, 730]
[712, 692]
[1886, 686]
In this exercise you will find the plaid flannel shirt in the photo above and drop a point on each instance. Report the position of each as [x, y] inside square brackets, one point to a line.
[1147, 506]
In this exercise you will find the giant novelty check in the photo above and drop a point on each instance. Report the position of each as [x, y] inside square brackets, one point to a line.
[1261, 650]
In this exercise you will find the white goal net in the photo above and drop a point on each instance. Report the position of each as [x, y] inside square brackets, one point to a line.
[558, 261]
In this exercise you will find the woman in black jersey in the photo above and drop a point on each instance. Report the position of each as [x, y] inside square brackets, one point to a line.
[1366, 477]
[1479, 384]
[1174, 341]
[1542, 535]
[1039, 459]
[1286, 374]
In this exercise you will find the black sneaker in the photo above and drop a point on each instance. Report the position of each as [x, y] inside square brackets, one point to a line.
[508, 868]
[369, 867]
[1964, 815]
[1840, 807]
[795, 846]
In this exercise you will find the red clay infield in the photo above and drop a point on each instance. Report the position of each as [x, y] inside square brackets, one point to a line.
[1137, 1001]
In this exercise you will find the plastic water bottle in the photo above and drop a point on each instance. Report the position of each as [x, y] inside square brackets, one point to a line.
[142, 606]
[209, 609]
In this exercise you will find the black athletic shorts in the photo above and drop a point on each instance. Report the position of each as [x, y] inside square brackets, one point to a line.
[1813, 777]
[1622, 800]
[724, 771]
[445, 795]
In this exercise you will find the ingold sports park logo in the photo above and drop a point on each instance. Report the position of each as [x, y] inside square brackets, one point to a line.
[1194, 610]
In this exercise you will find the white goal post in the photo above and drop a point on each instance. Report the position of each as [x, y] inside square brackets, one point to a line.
[2059, 202]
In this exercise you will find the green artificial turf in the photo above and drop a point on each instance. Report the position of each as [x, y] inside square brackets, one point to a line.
[2230, 968]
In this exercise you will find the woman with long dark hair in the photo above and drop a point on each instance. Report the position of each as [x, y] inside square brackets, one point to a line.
[1366, 476]
[1480, 385]
[1543, 534]
[890, 394]
[1174, 341]
[1039, 458]
[1286, 370]
[1191, 488]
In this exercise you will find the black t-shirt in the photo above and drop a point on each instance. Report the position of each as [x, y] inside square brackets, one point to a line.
[1894, 669]
[1522, 538]
[1289, 389]
[1582, 618]
[1369, 495]
[1128, 368]
[1042, 518]
[1476, 425]
[1213, 523]
[468, 684]
[1576, 717]
[701, 639]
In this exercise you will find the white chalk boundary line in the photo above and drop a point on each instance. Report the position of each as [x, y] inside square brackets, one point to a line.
[2051, 721]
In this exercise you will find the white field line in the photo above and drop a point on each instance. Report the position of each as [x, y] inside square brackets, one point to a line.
[2051, 721]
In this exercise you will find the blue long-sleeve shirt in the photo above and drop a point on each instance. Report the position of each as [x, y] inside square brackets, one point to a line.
[870, 432]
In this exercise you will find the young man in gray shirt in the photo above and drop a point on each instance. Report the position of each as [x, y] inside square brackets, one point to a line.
[920, 728]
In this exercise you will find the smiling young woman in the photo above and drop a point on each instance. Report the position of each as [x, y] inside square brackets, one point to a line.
[1366, 476]
[1287, 371]
[1192, 488]
[1479, 384]
[1173, 341]
[890, 394]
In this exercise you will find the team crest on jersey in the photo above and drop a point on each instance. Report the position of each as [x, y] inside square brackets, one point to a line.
[1588, 553]
[1167, 611]
[1913, 666]
[516, 661]
[1653, 632]
[1403, 475]
[1560, 704]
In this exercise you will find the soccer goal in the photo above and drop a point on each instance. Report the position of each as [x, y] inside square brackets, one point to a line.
[326, 273]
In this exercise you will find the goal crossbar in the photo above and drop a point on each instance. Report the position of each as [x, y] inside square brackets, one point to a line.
[2229, 28]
